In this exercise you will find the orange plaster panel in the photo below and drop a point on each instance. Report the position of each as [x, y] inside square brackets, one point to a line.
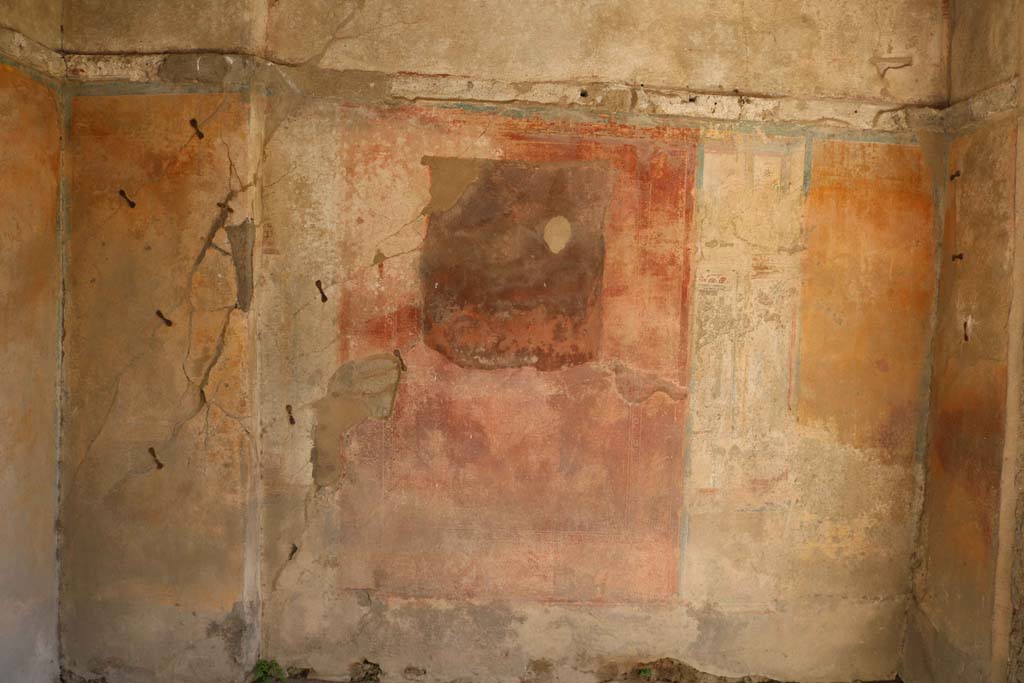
[969, 394]
[555, 482]
[30, 285]
[868, 290]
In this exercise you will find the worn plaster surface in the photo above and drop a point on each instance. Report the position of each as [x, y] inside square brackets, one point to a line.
[965, 624]
[951, 630]
[983, 45]
[159, 25]
[30, 290]
[890, 51]
[534, 363]
[516, 499]
[159, 439]
[769, 529]
[37, 20]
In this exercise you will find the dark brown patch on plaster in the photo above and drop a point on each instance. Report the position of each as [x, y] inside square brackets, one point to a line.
[365, 672]
[667, 670]
[411, 673]
[1016, 663]
[513, 261]
[360, 389]
[242, 237]
[67, 676]
[539, 671]
[232, 630]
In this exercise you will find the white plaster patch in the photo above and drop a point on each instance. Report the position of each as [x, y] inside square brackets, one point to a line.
[557, 233]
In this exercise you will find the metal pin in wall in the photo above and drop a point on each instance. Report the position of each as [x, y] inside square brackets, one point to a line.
[160, 314]
[195, 125]
[124, 196]
[320, 288]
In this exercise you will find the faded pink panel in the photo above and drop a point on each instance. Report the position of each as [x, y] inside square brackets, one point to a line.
[562, 483]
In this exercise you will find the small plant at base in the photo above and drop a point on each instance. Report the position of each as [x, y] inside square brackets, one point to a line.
[645, 672]
[267, 671]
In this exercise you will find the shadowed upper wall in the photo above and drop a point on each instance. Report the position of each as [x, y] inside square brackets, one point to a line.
[888, 51]
[984, 45]
[30, 289]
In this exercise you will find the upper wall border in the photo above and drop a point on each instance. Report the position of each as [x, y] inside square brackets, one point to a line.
[189, 72]
[36, 58]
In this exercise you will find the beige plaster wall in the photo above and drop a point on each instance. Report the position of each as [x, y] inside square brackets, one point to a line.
[887, 51]
[983, 45]
[37, 20]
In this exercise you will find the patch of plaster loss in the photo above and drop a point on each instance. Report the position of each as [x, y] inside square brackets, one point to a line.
[359, 390]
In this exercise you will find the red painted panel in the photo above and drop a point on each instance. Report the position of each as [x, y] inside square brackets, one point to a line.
[562, 483]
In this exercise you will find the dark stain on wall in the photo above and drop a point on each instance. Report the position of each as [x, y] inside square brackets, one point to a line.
[242, 237]
[513, 262]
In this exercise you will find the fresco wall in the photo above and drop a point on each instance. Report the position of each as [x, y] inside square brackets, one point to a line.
[30, 291]
[635, 338]
[478, 434]
[157, 465]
